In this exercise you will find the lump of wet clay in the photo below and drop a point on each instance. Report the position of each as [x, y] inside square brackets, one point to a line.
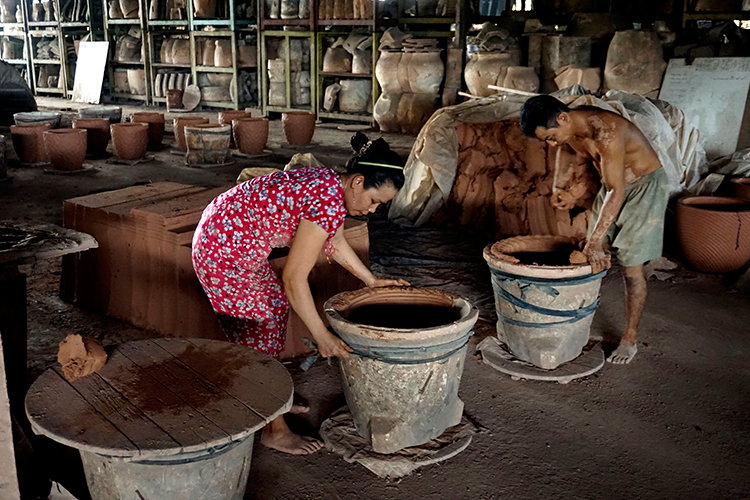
[80, 356]
[577, 257]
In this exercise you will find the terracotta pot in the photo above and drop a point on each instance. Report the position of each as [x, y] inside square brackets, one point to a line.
[483, 69]
[226, 117]
[740, 188]
[299, 127]
[181, 123]
[205, 9]
[714, 232]
[155, 127]
[97, 134]
[28, 141]
[426, 71]
[129, 140]
[337, 60]
[174, 99]
[386, 112]
[66, 148]
[250, 134]
[207, 144]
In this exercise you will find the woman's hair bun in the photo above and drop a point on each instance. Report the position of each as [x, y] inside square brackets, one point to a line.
[357, 141]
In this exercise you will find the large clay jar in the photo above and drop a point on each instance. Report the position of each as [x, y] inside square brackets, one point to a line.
[402, 72]
[354, 95]
[66, 148]
[635, 63]
[207, 144]
[247, 55]
[337, 60]
[386, 112]
[226, 117]
[204, 9]
[129, 9]
[223, 53]
[97, 134]
[155, 127]
[426, 72]
[28, 141]
[483, 69]
[181, 51]
[714, 232]
[520, 78]
[250, 134]
[137, 81]
[299, 127]
[740, 188]
[129, 140]
[414, 110]
[208, 53]
[362, 61]
[181, 123]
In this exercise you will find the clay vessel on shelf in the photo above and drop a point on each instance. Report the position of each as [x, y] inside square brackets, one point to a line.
[155, 127]
[337, 60]
[247, 55]
[66, 148]
[208, 53]
[207, 144]
[714, 232]
[180, 51]
[129, 140]
[28, 141]
[129, 9]
[223, 53]
[299, 127]
[355, 95]
[97, 134]
[114, 9]
[483, 69]
[426, 71]
[137, 81]
[740, 188]
[181, 123]
[174, 99]
[205, 9]
[250, 134]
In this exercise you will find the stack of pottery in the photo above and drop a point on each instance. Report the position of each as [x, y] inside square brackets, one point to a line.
[37, 117]
[97, 134]
[337, 9]
[166, 81]
[413, 95]
[8, 11]
[287, 9]
[298, 53]
[250, 134]
[353, 55]
[66, 148]
[179, 128]
[28, 142]
[207, 144]
[129, 140]
[155, 123]
[175, 50]
[502, 69]
[299, 127]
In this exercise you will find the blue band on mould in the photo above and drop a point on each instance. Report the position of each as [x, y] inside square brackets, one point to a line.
[408, 355]
[575, 280]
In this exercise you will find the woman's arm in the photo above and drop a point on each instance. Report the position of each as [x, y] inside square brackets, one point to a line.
[303, 254]
[349, 260]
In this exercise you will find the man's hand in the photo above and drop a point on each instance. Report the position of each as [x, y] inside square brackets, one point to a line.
[330, 345]
[388, 282]
[597, 257]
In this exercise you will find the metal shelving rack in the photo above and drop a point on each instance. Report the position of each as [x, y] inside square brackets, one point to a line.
[19, 31]
[689, 15]
[113, 28]
[72, 30]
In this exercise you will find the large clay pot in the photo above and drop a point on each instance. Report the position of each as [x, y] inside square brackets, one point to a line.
[250, 134]
[208, 53]
[226, 117]
[386, 112]
[426, 71]
[204, 9]
[520, 78]
[155, 127]
[414, 110]
[181, 123]
[66, 148]
[337, 60]
[299, 127]
[137, 81]
[223, 53]
[362, 61]
[635, 63]
[28, 141]
[180, 51]
[97, 134]
[207, 144]
[129, 140]
[483, 69]
[740, 188]
[354, 95]
[402, 73]
[714, 232]
[129, 9]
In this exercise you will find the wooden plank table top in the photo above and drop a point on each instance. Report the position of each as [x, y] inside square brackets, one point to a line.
[162, 397]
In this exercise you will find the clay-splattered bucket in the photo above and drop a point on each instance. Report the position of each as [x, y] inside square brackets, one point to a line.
[179, 128]
[401, 383]
[544, 305]
[207, 144]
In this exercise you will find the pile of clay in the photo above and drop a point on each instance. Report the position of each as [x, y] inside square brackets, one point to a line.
[540, 251]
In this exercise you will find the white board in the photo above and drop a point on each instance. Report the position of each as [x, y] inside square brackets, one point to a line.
[713, 94]
[92, 59]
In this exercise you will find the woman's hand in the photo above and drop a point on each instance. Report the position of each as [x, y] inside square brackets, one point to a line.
[378, 282]
[330, 345]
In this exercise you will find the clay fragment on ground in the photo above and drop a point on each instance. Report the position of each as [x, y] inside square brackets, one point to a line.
[80, 356]
[577, 257]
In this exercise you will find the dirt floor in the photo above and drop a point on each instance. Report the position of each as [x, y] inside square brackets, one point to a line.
[675, 423]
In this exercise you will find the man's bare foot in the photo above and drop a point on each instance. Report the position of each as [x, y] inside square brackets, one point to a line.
[291, 443]
[623, 354]
[299, 408]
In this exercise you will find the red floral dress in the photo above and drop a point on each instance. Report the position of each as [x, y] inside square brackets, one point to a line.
[235, 236]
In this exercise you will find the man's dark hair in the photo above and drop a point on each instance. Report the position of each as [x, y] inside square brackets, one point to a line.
[541, 111]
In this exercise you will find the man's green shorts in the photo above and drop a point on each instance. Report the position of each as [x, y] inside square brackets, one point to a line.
[637, 234]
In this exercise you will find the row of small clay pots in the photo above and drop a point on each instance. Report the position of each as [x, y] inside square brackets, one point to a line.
[64, 149]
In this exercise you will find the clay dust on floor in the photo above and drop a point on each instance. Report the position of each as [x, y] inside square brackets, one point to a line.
[673, 424]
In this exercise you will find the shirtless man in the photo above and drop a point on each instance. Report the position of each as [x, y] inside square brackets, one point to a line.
[628, 214]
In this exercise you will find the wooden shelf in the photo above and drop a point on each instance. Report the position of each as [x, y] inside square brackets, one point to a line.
[345, 22]
[50, 90]
[166, 65]
[329, 74]
[55, 62]
[15, 61]
[124, 21]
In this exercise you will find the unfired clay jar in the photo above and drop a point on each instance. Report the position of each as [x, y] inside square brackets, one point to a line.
[28, 141]
[337, 60]
[207, 144]
[165, 53]
[414, 110]
[520, 78]
[386, 112]
[740, 188]
[426, 71]
[714, 232]
[483, 69]
[97, 134]
[299, 127]
[114, 10]
[354, 95]
[66, 148]
[250, 134]
[402, 72]
[181, 123]
[155, 123]
[223, 53]
[362, 61]
[635, 63]
[129, 140]
[129, 9]
[205, 9]
[137, 81]
[386, 71]
[180, 51]
[208, 53]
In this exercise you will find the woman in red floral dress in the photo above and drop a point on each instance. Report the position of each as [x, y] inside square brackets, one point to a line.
[303, 209]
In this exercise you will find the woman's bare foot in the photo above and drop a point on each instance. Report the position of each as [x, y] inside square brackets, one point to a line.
[277, 435]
